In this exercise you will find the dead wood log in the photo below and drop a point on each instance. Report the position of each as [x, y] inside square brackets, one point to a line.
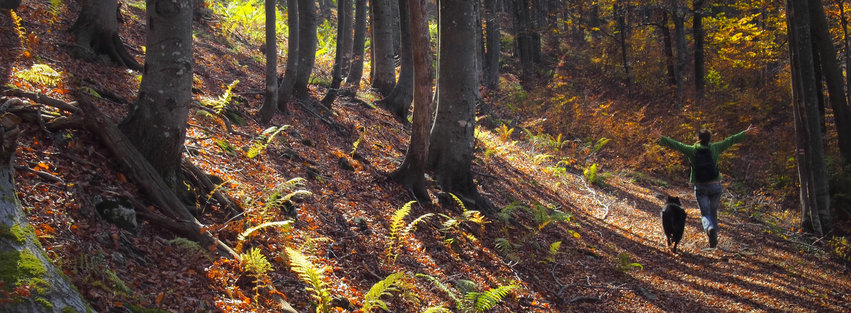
[202, 181]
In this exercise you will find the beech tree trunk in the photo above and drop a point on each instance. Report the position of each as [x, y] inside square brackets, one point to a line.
[23, 259]
[492, 46]
[358, 42]
[620, 17]
[156, 123]
[270, 97]
[524, 41]
[451, 145]
[340, 54]
[833, 77]
[285, 89]
[96, 31]
[398, 102]
[668, 49]
[306, 46]
[411, 173]
[383, 67]
[812, 169]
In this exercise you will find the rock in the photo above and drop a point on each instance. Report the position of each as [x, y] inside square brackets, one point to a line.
[118, 212]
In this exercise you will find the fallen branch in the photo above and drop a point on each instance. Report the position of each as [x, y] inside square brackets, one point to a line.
[42, 174]
[202, 181]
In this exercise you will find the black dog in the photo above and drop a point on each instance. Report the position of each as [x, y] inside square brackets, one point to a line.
[673, 221]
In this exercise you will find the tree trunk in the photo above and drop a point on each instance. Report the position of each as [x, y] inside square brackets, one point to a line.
[96, 30]
[845, 41]
[833, 77]
[492, 46]
[285, 90]
[697, 30]
[523, 39]
[348, 38]
[668, 49]
[679, 16]
[156, 123]
[340, 55]
[270, 97]
[451, 146]
[411, 173]
[9, 4]
[620, 17]
[383, 67]
[815, 199]
[399, 100]
[306, 46]
[356, 70]
[22, 258]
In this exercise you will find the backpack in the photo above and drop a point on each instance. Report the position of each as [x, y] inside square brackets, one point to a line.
[704, 166]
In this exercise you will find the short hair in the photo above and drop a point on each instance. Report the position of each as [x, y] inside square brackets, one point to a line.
[704, 135]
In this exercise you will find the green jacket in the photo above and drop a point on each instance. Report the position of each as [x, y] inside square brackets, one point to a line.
[689, 150]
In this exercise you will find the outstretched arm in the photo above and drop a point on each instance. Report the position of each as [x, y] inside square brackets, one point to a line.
[734, 139]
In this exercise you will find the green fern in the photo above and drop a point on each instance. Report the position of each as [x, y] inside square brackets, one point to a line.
[256, 263]
[285, 225]
[551, 255]
[222, 102]
[440, 285]
[625, 263]
[41, 74]
[188, 246]
[263, 140]
[399, 229]
[436, 309]
[372, 299]
[484, 301]
[314, 278]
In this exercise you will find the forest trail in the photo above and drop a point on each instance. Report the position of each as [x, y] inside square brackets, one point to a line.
[611, 255]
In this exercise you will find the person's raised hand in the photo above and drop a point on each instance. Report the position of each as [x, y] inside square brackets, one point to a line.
[655, 133]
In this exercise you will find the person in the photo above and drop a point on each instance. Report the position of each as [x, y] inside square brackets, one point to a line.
[704, 175]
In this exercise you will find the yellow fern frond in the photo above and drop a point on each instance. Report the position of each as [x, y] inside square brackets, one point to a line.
[313, 276]
[283, 224]
[40, 74]
[384, 287]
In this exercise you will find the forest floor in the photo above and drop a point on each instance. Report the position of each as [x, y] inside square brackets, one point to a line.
[612, 255]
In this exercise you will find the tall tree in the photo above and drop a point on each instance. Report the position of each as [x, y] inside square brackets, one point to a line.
[411, 173]
[399, 100]
[306, 46]
[620, 12]
[9, 4]
[96, 31]
[156, 122]
[270, 97]
[451, 145]
[812, 169]
[340, 56]
[383, 68]
[524, 40]
[697, 32]
[678, 14]
[833, 77]
[358, 42]
[492, 45]
[285, 89]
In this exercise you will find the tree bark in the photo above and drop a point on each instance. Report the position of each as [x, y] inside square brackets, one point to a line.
[411, 174]
[492, 46]
[398, 102]
[306, 46]
[156, 123]
[9, 4]
[451, 145]
[285, 89]
[812, 170]
[340, 54]
[23, 259]
[270, 97]
[96, 31]
[679, 16]
[620, 17]
[833, 78]
[523, 38]
[359, 40]
[697, 31]
[383, 68]
[667, 48]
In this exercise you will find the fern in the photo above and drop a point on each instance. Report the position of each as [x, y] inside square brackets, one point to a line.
[20, 31]
[41, 74]
[314, 278]
[601, 143]
[399, 229]
[504, 132]
[436, 309]
[484, 301]
[283, 224]
[256, 263]
[222, 102]
[551, 255]
[54, 8]
[437, 283]
[263, 140]
[625, 263]
[188, 246]
[382, 288]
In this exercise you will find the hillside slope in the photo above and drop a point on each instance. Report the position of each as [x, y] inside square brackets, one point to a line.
[611, 255]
